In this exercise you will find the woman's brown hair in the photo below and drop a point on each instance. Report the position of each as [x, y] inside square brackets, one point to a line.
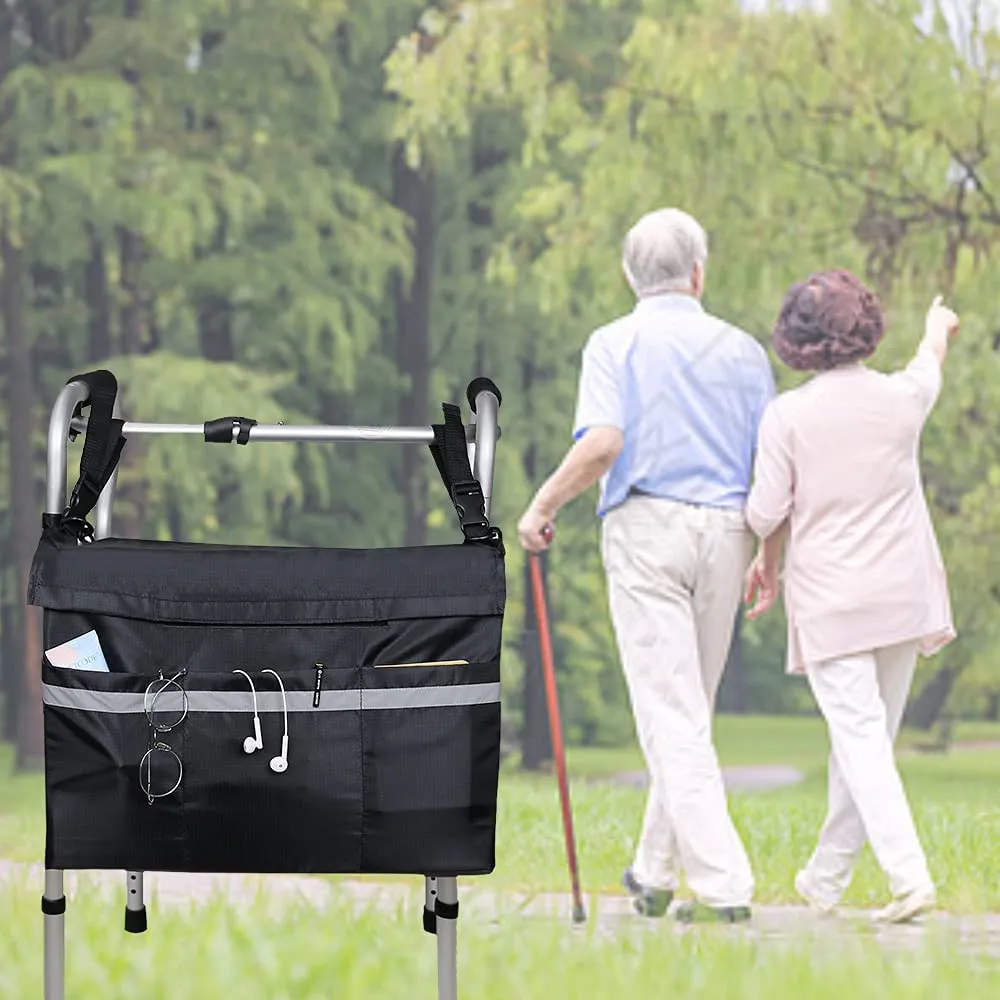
[828, 320]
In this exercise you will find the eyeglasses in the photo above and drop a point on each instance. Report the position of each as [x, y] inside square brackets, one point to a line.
[166, 706]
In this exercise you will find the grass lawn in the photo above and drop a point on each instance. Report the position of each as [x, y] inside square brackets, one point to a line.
[22, 812]
[954, 795]
[955, 801]
[224, 951]
[305, 955]
[753, 739]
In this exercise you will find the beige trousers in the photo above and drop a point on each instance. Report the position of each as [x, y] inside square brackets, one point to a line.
[862, 698]
[675, 579]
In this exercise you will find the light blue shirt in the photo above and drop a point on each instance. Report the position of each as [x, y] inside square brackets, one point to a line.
[687, 390]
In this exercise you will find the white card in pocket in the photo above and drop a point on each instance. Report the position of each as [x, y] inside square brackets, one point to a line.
[82, 653]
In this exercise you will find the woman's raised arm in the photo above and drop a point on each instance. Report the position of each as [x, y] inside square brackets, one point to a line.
[922, 376]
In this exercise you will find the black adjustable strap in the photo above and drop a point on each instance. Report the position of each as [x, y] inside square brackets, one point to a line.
[451, 455]
[102, 448]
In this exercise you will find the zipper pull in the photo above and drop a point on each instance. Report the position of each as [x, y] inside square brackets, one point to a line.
[318, 689]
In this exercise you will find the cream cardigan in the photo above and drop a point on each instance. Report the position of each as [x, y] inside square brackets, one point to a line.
[839, 457]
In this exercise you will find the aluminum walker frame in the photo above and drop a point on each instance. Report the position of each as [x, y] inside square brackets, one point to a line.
[440, 893]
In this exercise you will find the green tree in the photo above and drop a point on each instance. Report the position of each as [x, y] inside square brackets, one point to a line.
[174, 182]
[846, 138]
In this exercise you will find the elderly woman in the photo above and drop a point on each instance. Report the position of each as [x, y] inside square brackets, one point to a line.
[865, 589]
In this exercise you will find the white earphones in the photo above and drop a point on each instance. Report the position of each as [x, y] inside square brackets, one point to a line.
[280, 764]
[255, 742]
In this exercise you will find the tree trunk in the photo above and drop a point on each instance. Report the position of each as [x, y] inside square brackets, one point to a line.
[993, 707]
[13, 610]
[131, 318]
[479, 213]
[215, 328]
[10, 659]
[925, 710]
[215, 312]
[413, 192]
[134, 332]
[24, 510]
[95, 285]
[129, 242]
[536, 741]
[130, 496]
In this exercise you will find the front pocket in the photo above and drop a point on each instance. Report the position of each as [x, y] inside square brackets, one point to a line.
[96, 734]
[232, 812]
[431, 757]
[244, 816]
[139, 645]
[388, 771]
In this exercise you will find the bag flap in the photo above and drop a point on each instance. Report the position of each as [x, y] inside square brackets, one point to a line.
[189, 582]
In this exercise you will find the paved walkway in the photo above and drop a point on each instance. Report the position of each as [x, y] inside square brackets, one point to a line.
[758, 778]
[609, 916]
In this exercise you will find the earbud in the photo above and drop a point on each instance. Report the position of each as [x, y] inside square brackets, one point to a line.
[280, 764]
[255, 742]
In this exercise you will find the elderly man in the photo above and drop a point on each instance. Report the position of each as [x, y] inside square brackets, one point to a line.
[669, 402]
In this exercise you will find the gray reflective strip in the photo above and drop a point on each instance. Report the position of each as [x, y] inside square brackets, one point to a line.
[129, 703]
[270, 701]
[432, 697]
[95, 701]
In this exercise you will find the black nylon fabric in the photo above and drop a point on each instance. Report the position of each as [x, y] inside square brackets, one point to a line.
[102, 447]
[184, 581]
[401, 780]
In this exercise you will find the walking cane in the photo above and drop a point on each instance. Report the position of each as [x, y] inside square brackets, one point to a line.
[555, 727]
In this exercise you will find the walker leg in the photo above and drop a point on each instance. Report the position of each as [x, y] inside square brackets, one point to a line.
[135, 904]
[430, 900]
[446, 909]
[54, 932]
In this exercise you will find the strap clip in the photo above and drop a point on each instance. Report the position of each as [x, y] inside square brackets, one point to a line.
[470, 504]
[86, 489]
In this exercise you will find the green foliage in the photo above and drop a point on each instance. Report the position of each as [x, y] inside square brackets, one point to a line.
[850, 138]
[196, 492]
[224, 155]
[207, 200]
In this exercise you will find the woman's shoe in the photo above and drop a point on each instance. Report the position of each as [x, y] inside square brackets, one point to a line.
[808, 891]
[907, 907]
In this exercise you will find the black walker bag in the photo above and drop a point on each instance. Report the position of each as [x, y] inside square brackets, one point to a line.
[389, 661]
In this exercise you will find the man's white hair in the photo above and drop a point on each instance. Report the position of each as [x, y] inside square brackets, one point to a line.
[661, 250]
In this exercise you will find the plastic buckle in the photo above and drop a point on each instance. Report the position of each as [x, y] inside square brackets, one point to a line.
[84, 482]
[470, 504]
[79, 527]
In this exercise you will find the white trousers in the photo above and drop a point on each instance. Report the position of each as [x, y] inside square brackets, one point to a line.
[862, 698]
[675, 578]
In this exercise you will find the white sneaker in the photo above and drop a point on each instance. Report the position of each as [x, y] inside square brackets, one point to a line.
[905, 908]
[805, 888]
